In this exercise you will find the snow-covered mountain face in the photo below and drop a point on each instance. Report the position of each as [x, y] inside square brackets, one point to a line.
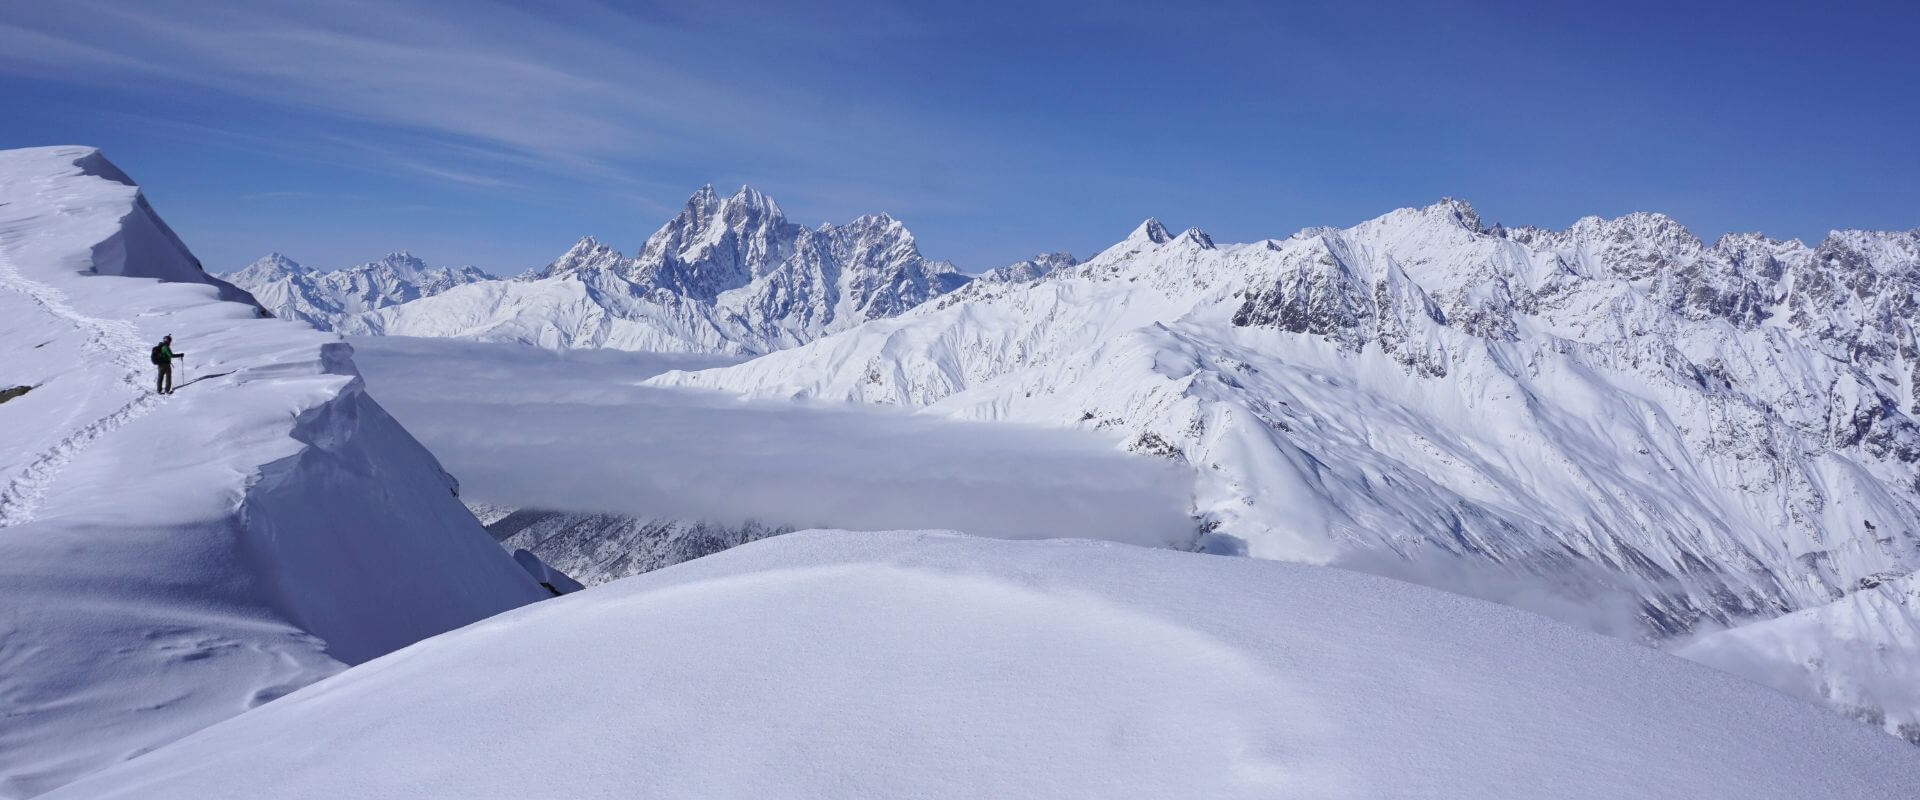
[1860, 654]
[1030, 270]
[725, 275]
[324, 299]
[1616, 423]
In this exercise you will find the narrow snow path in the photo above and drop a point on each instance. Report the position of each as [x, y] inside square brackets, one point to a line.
[114, 341]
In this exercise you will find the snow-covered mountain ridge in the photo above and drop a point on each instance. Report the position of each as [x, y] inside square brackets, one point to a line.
[169, 561]
[325, 299]
[1617, 423]
[725, 275]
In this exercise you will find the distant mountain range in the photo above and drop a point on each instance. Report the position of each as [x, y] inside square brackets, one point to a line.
[326, 299]
[1617, 423]
[726, 275]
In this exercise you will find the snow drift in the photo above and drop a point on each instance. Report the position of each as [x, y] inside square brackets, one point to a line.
[167, 562]
[834, 665]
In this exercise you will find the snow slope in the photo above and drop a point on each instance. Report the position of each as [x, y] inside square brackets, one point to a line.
[167, 562]
[726, 275]
[802, 666]
[1617, 424]
[324, 299]
[1860, 653]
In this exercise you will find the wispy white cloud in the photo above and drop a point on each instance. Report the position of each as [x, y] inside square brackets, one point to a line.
[489, 88]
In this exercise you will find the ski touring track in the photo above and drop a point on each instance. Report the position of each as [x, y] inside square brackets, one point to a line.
[114, 341]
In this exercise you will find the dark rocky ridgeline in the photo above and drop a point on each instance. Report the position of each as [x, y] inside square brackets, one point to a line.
[594, 548]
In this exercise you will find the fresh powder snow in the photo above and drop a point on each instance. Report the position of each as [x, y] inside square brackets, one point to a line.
[927, 665]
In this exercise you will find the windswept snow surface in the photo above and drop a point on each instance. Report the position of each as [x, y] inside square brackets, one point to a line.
[166, 563]
[1617, 424]
[926, 665]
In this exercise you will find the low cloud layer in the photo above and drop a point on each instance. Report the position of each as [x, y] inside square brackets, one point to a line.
[528, 427]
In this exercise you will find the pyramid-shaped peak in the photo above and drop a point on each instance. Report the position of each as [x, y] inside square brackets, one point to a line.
[588, 244]
[751, 196]
[1150, 231]
[880, 220]
[274, 262]
[1456, 211]
[751, 204]
[1197, 237]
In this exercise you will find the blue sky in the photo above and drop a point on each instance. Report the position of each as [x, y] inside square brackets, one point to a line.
[496, 133]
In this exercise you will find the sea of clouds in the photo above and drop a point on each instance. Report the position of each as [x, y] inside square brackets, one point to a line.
[574, 431]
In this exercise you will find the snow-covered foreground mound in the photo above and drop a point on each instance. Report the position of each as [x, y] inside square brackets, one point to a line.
[169, 561]
[836, 665]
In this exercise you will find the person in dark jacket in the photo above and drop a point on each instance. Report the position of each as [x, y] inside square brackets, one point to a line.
[163, 357]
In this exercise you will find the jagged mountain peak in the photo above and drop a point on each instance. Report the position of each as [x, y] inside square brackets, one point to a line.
[1029, 270]
[754, 198]
[1645, 224]
[1150, 231]
[880, 220]
[273, 264]
[1457, 212]
[586, 254]
[403, 262]
[1197, 237]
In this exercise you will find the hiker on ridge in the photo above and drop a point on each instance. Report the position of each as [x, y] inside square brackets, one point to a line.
[163, 357]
